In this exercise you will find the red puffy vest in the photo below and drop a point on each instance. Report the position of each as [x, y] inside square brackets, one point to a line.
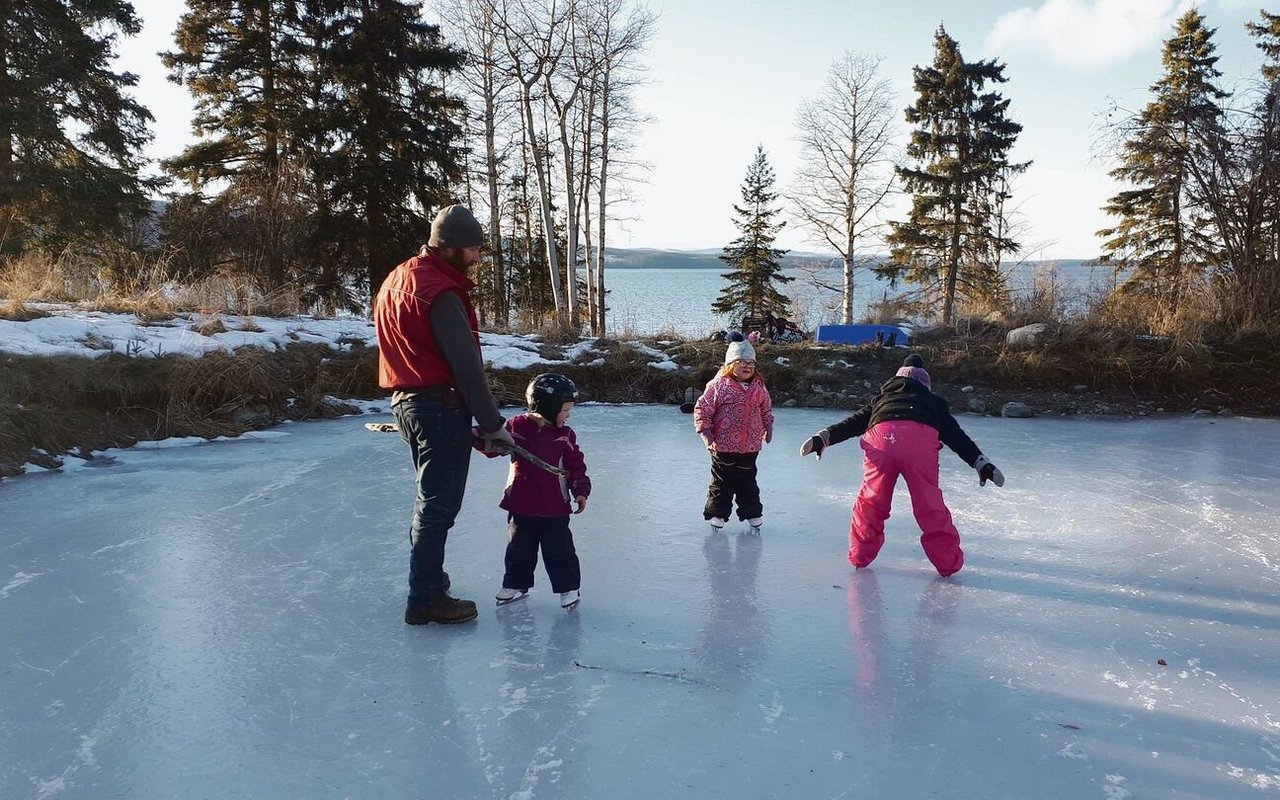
[408, 356]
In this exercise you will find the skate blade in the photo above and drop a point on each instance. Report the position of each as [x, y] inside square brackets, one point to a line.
[512, 600]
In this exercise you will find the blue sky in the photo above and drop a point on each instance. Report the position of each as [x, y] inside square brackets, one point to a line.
[727, 75]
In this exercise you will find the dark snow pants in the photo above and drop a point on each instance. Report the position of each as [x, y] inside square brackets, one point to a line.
[524, 536]
[437, 429]
[733, 475]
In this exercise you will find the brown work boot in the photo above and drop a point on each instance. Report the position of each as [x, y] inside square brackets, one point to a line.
[444, 609]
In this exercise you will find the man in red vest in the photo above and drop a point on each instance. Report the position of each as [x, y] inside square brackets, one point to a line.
[429, 357]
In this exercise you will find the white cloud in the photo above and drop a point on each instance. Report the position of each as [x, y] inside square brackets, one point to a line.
[1088, 34]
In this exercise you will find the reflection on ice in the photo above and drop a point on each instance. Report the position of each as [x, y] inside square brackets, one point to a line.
[224, 620]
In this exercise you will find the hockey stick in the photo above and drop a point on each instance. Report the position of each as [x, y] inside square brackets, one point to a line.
[512, 449]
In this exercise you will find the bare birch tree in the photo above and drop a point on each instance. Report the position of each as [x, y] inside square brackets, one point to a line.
[568, 66]
[532, 36]
[616, 36]
[847, 140]
[486, 72]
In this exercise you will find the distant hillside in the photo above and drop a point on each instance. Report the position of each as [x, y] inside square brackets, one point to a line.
[649, 258]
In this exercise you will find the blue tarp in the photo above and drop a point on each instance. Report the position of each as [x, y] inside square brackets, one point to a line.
[862, 334]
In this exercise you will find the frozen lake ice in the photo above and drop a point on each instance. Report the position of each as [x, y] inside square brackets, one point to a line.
[224, 621]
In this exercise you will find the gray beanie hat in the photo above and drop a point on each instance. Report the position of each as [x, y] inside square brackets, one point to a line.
[739, 351]
[456, 226]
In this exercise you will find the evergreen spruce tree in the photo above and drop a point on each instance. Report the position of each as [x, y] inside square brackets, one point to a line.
[1163, 235]
[231, 55]
[757, 270]
[250, 93]
[398, 133]
[1267, 32]
[1267, 281]
[328, 116]
[956, 232]
[70, 137]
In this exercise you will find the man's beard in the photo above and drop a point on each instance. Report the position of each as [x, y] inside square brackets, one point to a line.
[455, 258]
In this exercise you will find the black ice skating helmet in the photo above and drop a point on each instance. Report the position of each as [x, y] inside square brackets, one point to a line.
[547, 393]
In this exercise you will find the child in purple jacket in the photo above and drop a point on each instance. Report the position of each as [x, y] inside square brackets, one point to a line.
[537, 501]
[734, 417]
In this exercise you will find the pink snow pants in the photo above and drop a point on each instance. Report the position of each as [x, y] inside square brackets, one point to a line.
[909, 449]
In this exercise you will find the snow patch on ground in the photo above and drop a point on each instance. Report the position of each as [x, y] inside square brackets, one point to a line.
[72, 331]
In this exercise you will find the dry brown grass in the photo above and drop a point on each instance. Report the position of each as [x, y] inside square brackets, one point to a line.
[62, 405]
[209, 324]
[40, 276]
[147, 292]
[17, 311]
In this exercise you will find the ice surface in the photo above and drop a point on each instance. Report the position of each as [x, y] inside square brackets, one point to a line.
[224, 621]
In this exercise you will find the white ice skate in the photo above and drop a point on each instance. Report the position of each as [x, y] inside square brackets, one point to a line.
[506, 595]
[717, 523]
[570, 599]
[756, 523]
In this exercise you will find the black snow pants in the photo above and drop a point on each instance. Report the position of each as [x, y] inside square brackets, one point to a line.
[524, 536]
[733, 475]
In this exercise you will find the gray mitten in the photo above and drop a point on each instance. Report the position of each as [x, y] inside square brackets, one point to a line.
[988, 472]
[816, 444]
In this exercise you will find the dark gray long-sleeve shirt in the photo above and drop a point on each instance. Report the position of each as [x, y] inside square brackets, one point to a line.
[452, 331]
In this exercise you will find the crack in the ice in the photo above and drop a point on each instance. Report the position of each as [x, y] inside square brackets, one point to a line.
[647, 672]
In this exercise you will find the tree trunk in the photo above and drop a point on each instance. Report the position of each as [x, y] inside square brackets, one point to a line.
[562, 110]
[274, 267]
[606, 91]
[584, 219]
[953, 261]
[544, 199]
[502, 305]
[6, 132]
[850, 221]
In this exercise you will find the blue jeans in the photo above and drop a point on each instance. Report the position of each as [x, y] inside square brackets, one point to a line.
[438, 432]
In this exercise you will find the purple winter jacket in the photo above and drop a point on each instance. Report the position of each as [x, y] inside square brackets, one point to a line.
[534, 492]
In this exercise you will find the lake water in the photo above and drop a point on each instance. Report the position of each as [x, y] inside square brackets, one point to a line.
[650, 301]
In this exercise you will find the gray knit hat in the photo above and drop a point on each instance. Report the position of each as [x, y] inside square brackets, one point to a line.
[739, 351]
[456, 226]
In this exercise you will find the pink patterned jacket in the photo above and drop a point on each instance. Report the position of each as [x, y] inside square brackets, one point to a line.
[735, 415]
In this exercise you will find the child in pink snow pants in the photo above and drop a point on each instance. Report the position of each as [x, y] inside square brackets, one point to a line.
[902, 430]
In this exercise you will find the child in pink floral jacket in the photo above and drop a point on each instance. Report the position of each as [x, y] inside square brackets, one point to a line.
[734, 417]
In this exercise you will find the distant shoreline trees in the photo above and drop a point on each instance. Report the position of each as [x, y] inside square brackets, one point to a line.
[327, 133]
